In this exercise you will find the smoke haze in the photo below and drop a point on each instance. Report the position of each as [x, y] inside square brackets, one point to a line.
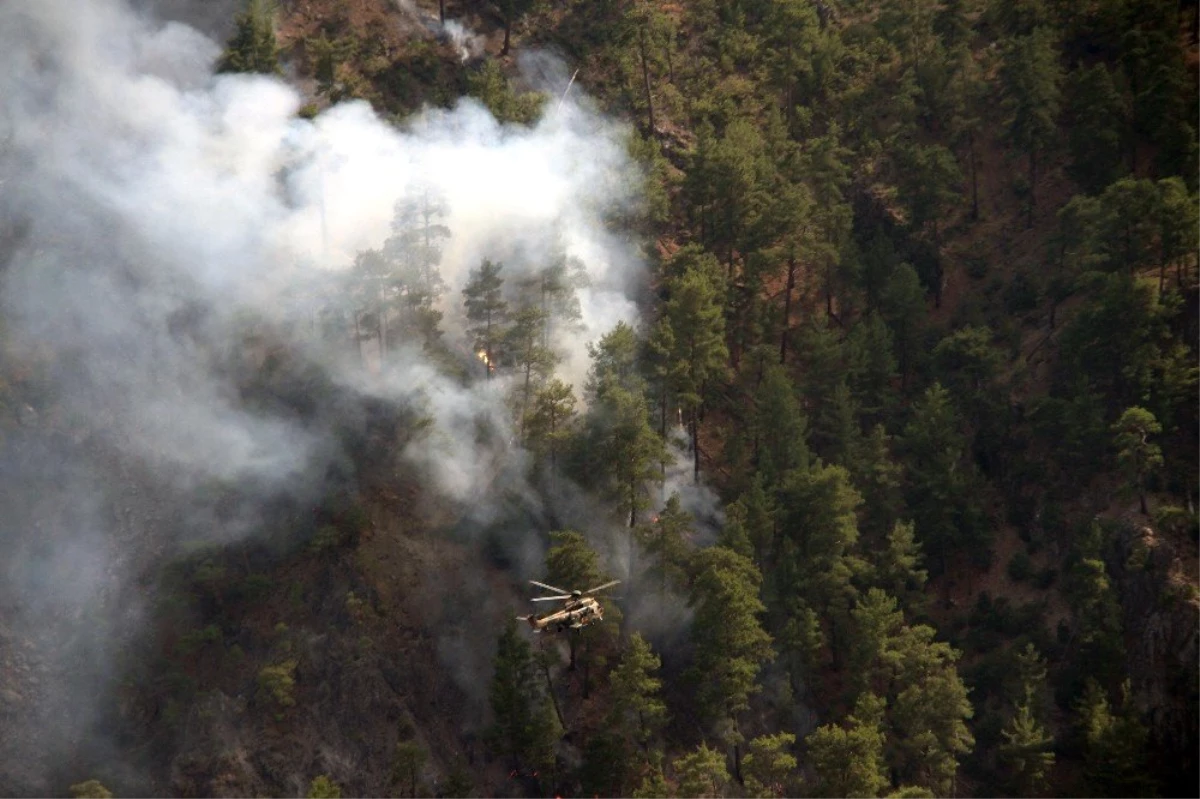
[154, 214]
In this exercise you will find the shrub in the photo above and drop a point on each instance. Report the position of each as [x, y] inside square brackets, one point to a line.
[324, 788]
[1019, 567]
[198, 639]
[326, 538]
[278, 683]
[1020, 295]
[91, 789]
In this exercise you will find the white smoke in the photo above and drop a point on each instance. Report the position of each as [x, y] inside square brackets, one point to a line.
[162, 211]
[222, 195]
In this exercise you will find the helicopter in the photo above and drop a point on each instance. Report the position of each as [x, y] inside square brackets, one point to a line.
[580, 610]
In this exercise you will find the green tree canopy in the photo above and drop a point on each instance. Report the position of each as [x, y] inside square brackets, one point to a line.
[523, 729]
[252, 46]
[731, 645]
[487, 312]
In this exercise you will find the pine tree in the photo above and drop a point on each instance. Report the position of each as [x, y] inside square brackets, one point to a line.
[637, 709]
[535, 362]
[897, 567]
[646, 38]
[779, 428]
[1114, 745]
[510, 11]
[871, 365]
[523, 726]
[1137, 456]
[1179, 229]
[625, 454]
[936, 489]
[730, 643]
[733, 534]
[556, 287]
[326, 55]
[409, 759]
[1097, 128]
[1026, 753]
[702, 773]
[572, 563]
[665, 541]
[486, 311]
[929, 180]
[373, 292]
[606, 767]
[654, 784]
[614, 363]
[414, 254]
[1030, 78]
[818, 529]
[903, 307]
[878, 622]
[252, 47]
[698, 336]
[801, 642]
[879, 479]
[930, 714]
[548, 423]
[768, 766]
[848, 760]
[753, 516]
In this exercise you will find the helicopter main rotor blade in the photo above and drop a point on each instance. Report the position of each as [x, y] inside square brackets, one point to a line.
[601, 587]
[549, 598]
[551, 588]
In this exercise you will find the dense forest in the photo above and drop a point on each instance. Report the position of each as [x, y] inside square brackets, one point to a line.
[857, 339]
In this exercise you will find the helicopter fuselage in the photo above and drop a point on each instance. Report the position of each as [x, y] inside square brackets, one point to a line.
[575, 614]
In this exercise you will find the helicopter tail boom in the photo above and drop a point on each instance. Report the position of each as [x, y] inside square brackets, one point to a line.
[532, 621]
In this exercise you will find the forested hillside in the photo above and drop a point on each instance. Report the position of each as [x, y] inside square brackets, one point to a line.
[857, 339]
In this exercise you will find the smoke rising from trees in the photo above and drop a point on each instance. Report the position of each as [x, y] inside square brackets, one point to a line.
[156, 216]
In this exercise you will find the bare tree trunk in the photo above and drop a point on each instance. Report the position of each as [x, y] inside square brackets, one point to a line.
[507, 35]
[646, 78]
[695, 446]
[382, 329]
[1032, 187]
[487, 348]
[662, 426]
[828, 290]
[974, 176]
[632, 503]
[362, 359]
[787, 308]
[525, 399]
[442, 19]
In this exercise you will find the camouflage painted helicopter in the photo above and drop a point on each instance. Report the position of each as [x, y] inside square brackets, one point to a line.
[580, 610]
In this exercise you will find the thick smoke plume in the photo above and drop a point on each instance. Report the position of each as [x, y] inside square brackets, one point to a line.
[151, 214]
